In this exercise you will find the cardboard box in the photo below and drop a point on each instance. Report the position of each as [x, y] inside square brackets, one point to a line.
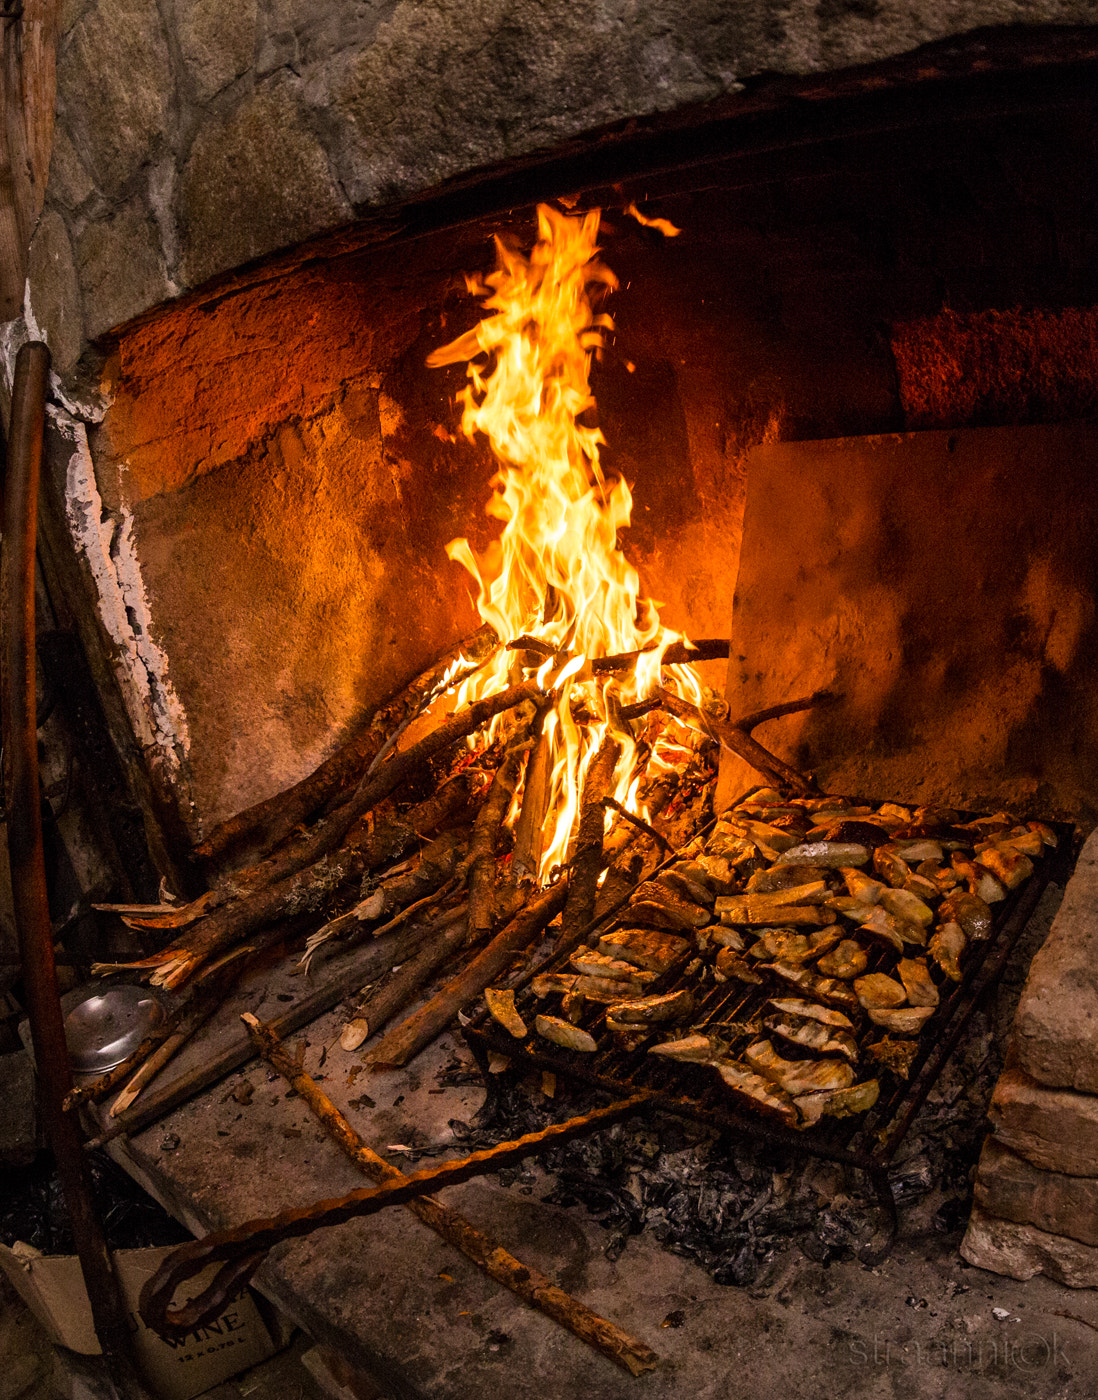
[52, 1286]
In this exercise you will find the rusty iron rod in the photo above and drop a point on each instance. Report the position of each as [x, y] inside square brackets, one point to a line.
[28, 872]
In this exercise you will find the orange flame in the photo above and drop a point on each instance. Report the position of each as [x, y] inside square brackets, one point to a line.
[555, 572]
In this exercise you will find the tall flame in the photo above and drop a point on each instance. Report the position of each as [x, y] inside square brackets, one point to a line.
[556, 572]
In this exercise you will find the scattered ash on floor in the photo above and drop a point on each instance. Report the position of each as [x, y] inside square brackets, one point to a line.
[33, 1209]
[736, 1206]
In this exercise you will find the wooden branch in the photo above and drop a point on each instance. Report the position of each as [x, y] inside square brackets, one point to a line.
[526, 1282]
[638, 822]
[373, 789]
[586, 855]
[530, 827]
[387, 1000]
[482, 849]
[259, 828]
[359, 968]
[399, 1045]
[731, 736]
[789, 707]
[677, 654]
[401, 895]
[304, 891]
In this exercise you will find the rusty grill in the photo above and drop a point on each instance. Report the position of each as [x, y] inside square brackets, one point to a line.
[868, 1141]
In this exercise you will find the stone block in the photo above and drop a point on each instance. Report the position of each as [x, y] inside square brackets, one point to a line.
[1012, 1188]
[114, 80]
[55, 291]
[121, 268]
[18, 1123]
[1020, 1251]
[1055, 1129]
[217, 42]
[256, 181]
[1055, 1036]
[69, 182]
[443, 89]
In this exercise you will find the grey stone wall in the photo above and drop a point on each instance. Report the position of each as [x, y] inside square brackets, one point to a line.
[195, 135]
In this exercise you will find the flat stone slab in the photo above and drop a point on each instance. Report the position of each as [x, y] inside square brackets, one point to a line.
[1009, 1186]
[1055, 1129]
[1021, 1251]
[1055, 1037]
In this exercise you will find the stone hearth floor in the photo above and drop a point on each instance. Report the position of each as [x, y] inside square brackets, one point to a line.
[404, 1308]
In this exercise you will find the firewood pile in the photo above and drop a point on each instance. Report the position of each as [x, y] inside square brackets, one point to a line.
[424, 830]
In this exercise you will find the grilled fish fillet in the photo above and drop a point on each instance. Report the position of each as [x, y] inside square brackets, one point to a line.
[798, 1076]
[564, 1034]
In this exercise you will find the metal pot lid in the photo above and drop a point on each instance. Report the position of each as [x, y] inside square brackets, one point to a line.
[108, 1026]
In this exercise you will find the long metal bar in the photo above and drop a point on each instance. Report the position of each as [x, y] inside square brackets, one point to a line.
[28, 872]
[242, 1249]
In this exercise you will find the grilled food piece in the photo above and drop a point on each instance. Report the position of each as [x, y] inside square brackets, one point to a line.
[826, 1015]
[831, 855]
[907, 906]
[756, 1091]
[662, 912]
[566, 1035]
[905, 1020]
[605, 989]
[912, 850]
[693, 1049]
[811, 985]
[982, 884]
[689, 885]
[810, 1034]
[501, 1007]
[946, 946]
[547, 984]
[730, 964]
[811, 1011]
[851, 908]
[915, 976]
[800, 915]
[783, 877]
[846, 961]
[727, 938]
[839, 1103]
[892, 929]
[877, 990]
[895, 1055]
[811, 892]
[1021, 839]
[970, 911]
[601, 965]
[718, 872]
[861, 886]
[783, 945]
[891, 866]
[672, 1006]
[798, 1076]
[943, 877]
[920, 886]
[1009, 866]
[654, 952]
[1046, 833]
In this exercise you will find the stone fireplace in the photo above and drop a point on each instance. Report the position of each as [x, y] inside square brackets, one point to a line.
[255, 229]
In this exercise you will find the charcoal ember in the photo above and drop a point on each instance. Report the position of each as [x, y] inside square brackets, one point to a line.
[740, 1265]
[913, 1180]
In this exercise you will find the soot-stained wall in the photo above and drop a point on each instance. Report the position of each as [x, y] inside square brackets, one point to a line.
[278, 471]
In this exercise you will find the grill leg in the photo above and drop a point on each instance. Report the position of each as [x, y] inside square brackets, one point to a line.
[880, 1246]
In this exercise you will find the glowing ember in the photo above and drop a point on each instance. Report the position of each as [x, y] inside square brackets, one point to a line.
[556, 572]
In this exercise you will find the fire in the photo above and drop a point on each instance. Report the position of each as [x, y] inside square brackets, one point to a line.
[556, 572]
